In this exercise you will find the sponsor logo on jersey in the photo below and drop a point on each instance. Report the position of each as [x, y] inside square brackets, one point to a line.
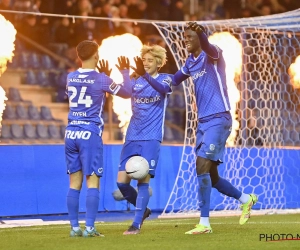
[147, 99]
[79, 122]
[168, 81]
[85, 135]
[90, 81]
[79, 113]
[138, 86]
[199, 74]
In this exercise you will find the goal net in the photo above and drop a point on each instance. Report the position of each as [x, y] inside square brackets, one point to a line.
[261, 155]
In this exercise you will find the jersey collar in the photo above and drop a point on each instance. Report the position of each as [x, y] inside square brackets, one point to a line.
[81, 70]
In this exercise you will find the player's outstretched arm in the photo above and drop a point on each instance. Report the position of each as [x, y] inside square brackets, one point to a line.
[104, 67]
[163, 88]
[208, 48]
[179, 77]
[124, 65]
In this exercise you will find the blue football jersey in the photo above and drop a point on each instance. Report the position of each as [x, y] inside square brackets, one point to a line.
[209, 80]
[86, 90]
[148, 109]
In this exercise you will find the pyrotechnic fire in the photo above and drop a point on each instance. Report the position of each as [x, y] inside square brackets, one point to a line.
[6, 53]
[125, 45]
[232, 51]
[294, 72]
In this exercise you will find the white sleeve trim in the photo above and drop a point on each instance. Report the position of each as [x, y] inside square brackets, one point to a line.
[182, 71]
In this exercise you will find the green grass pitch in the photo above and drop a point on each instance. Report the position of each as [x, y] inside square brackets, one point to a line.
[161, 234]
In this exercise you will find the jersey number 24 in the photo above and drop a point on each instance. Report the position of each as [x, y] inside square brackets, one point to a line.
[83, 98]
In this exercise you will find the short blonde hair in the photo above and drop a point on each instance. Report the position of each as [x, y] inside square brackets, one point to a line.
[158, 52]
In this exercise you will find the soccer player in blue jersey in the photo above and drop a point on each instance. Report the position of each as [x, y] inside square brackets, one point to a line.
[87, 89]
[144, 135]
[206, 66]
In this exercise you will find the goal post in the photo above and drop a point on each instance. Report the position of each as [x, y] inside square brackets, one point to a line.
[262, 154]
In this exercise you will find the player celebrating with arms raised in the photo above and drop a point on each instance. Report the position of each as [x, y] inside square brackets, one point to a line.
[145, 131]
[83, 142]
[206, 66]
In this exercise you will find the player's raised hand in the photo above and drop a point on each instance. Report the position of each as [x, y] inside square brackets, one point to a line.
[196, 27]
[140, 70]
[104, 67]
[123, 63]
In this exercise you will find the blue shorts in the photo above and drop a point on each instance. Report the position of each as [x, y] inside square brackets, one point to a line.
[84, 151]
[212, 133]
[147, 149]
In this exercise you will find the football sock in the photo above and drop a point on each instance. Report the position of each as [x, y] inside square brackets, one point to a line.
[89, 229]
[73, 206]
[128, 191]
[92, 203]
[225, 187]
[204, 193]
[204, 221]
[142, 201]
[75, 228]
[244, 198]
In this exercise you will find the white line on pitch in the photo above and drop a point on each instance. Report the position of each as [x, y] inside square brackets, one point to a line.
[170, 222]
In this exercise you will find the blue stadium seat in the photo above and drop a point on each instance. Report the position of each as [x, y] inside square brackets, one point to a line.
[46, 62]
[54, 132]
[17, 131]
[168, 134]
[24, 60]
[31, 78]
[14, 95]
[5, 132]
[33, 113]
[34, 60]
[46, 114]
[22, 112]
[30, 131]
[115, 118]
[9, 113]
[42, 78]
[42, 131]
[53, 78]
[62, 131]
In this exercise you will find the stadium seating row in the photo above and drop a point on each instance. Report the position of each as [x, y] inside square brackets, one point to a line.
[41, 78]
[31, 60]
[14, 95]
[21, 112]
[31, 132]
